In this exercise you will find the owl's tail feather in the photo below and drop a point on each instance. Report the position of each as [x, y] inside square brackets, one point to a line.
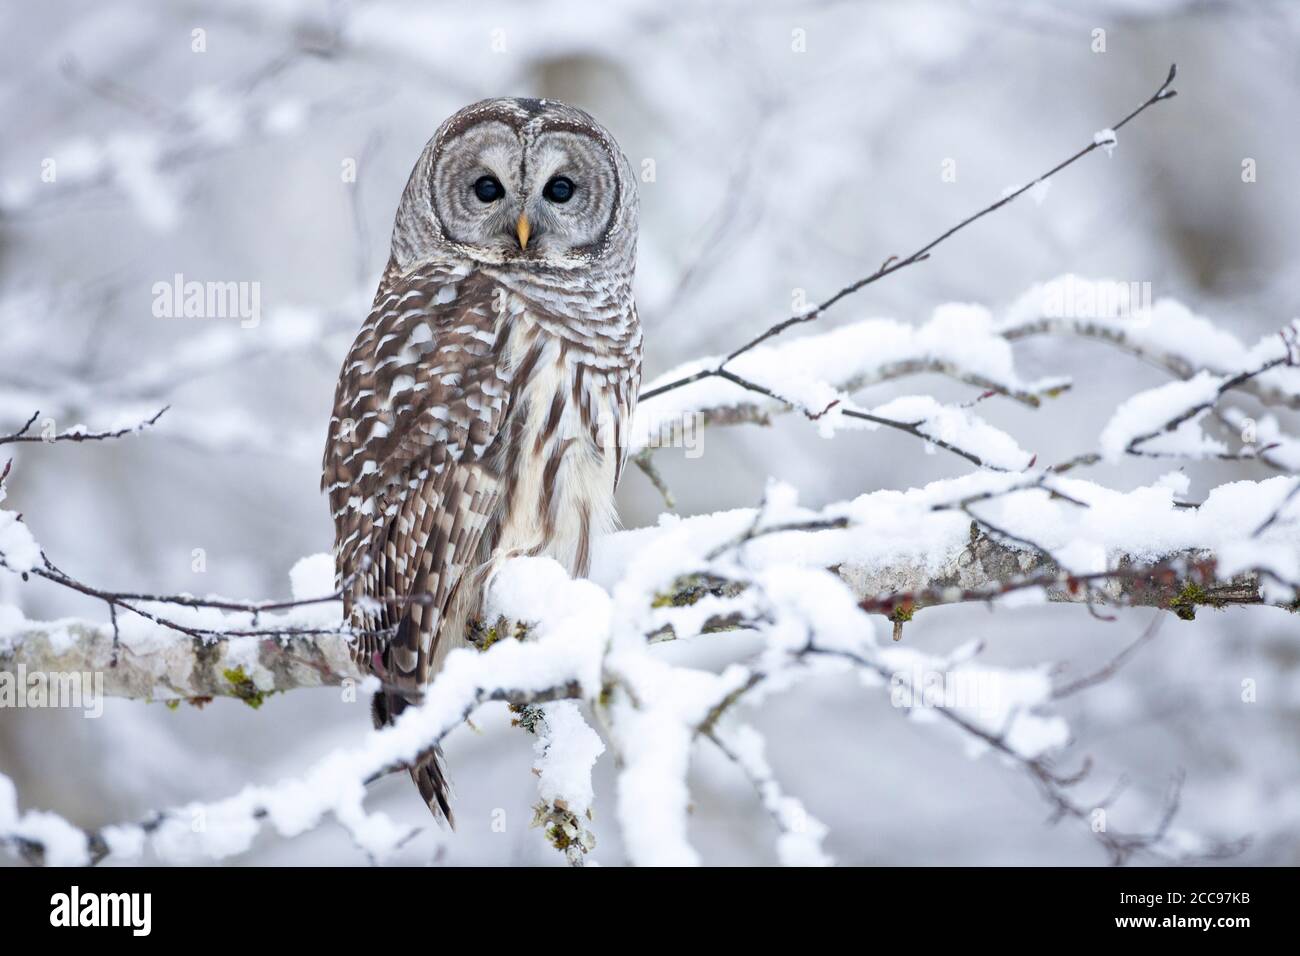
[428, 769]
[430, 776]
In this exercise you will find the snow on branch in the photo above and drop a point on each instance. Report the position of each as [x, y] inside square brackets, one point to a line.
[894, 264]
[1163, 332]
[954, 541]
[335, 785]
[817, 373]
[818, 394]
[586, 641]
[1163, 422]
[894, 553]
[143, 664]
[1005, 538]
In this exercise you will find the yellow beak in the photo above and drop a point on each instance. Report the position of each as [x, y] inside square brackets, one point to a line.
[523, 230]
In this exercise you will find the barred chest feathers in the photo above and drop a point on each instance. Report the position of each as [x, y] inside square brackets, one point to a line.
[561, 458]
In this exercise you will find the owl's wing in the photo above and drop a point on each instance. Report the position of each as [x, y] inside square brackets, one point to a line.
[423, 395]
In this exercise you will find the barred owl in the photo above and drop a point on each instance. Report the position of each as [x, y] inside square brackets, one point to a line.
[482, 410]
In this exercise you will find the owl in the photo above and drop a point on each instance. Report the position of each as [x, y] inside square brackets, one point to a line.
[483, 410]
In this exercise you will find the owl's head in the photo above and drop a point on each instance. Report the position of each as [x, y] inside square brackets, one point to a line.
[532, 182]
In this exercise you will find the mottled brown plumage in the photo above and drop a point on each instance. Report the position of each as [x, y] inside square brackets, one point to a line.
[482, 410]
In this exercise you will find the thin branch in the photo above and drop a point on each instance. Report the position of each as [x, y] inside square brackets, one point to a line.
[894, 264]
[1112, 667]
[645, 461]
[913, 429]
[1055, 786]
[78, 436]
[907, 428]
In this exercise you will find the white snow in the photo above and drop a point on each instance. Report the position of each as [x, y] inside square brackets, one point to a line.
[800, 840]
[17, 546]
[817, 369]
[64, 844]
[953, 425]
[566, 750]
[312, 577]
[1151, 410]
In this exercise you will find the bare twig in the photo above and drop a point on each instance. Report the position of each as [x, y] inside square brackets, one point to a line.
[1112, 667]
[1055, 786]
[75, 435]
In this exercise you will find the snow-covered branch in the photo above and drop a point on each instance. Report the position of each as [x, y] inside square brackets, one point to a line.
[587, 643]
[894, 263]
[1163, 332]
[1005, 539]
[78, 433]
[818, 373]
[173, 666]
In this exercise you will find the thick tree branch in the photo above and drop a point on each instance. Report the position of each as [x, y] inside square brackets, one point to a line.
[179, 667]
[249, 667]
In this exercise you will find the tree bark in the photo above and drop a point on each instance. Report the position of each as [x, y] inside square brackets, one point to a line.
[165, 666]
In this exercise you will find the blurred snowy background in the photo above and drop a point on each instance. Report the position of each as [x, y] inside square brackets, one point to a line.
[776, 169]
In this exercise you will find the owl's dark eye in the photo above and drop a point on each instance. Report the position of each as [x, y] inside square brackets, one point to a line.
[488, 189]
[558, 189]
